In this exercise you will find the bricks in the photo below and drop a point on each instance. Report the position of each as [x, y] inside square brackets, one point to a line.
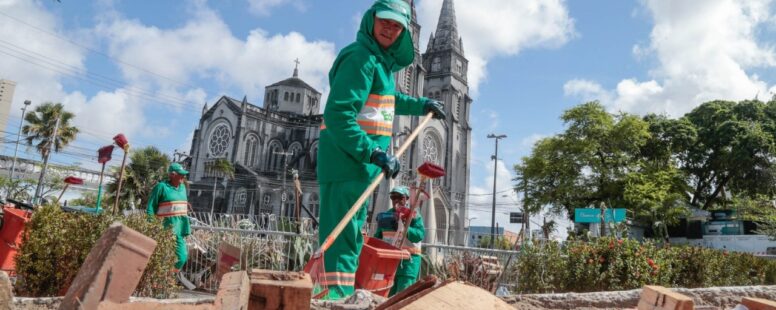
[758, 304]
[661, 298]
[280, 290]
[234, 291]
[112, 270]
[228, 256]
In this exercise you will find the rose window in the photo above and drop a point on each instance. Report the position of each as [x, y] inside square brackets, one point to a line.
[219, 140]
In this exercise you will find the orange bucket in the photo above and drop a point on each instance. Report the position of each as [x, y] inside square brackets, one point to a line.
[377, 266]
[14, 221]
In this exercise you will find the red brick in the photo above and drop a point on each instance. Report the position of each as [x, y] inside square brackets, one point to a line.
[234, 293]
[112, 269]
[661, 298]
[280, 290]
[758, 303]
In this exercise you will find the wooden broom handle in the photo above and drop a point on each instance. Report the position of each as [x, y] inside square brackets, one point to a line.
[375, 182]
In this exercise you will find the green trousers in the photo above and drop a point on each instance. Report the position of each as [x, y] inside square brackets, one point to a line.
[341, 259]
[406, 274]
[181, 251]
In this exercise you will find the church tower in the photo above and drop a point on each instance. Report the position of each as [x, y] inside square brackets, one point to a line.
[446, 81]
[440, 74]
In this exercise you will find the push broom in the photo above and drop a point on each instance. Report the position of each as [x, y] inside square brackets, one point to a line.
[315, 267]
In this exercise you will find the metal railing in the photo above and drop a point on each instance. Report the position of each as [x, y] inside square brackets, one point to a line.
[259, 241]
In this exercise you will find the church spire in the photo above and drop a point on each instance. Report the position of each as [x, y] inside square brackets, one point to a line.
[447, 28]
[296, 68]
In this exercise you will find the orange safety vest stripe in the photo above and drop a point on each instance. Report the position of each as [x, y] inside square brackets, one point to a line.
[339, 278]
[376, 117]
[172, 208]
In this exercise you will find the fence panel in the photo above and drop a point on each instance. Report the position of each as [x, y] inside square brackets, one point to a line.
[264, 241]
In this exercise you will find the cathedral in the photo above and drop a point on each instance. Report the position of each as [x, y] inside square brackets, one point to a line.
[271, 145]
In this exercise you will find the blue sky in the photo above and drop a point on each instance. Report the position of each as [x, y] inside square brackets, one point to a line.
[145, 68]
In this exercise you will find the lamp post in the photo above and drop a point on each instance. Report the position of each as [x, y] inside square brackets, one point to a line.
[18, 138]
[495, 175]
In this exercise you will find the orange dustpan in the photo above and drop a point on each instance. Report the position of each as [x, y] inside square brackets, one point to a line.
[315, 267]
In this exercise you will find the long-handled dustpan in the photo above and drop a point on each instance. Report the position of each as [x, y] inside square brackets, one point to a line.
[315, 267]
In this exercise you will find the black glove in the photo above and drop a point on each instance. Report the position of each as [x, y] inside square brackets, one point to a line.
[434, 106]
[388, 163]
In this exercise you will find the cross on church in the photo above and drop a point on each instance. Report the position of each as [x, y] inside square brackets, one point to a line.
[297, 63]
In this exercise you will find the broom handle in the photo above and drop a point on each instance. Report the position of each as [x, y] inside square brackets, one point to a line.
[337, 230]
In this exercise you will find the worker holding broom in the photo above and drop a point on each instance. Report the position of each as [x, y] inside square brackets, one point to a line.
[387, 230]
[168, 201]
[356, 131]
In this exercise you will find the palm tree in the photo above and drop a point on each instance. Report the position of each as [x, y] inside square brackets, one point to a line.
[47, 127]
[147, 166]
[220, 167]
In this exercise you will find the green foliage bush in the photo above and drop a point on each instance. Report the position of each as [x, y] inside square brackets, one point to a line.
[56, 243]
[608, 264]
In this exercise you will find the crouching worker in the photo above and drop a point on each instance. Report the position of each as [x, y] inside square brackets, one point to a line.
[387, 226]
[168, 202]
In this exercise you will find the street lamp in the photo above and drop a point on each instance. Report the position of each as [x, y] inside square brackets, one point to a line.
[469, 221]
[18, 138]
[495, 169]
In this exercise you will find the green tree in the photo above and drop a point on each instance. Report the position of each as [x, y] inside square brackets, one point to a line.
[42, 131]
[500, 243]
[733, 152]
[587, 164]
[147, 166]
[219, 168]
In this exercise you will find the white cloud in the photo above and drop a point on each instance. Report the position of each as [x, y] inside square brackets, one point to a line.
[528, 142]
[204, 48]
[585, 89]
[264, 7]
[705, 50]
[497, 28]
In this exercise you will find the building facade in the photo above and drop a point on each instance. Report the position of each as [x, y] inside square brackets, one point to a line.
[7, 88]
[268, 147]
[441, 74]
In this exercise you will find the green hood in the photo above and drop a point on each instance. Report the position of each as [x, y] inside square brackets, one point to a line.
[398, 55]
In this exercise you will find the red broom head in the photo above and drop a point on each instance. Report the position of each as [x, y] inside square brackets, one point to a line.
[431, 171]
[104, 154]
[74, 181]
[121, 141]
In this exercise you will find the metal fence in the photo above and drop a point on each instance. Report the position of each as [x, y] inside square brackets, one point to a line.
[259, 241]
[267, 241]
[492, 269]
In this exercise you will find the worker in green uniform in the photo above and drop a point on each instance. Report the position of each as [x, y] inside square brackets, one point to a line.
[387, 226]
[356, 130]
[169, 203]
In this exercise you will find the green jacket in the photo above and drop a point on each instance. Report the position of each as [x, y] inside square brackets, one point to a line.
[171, 205]
[362, 69]
[386, 229]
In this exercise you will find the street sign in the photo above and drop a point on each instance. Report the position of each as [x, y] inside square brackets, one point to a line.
[588, 215]
[515, 217]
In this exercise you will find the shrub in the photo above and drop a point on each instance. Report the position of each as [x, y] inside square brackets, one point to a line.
[607, 264]
[56, 243]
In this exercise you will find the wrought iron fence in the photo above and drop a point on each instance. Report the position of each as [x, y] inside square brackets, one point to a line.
[260, 241]
[268, 241]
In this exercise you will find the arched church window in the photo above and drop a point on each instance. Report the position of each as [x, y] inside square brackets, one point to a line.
[285, 97]
[458, 66]
[295, 149]
[265, 203]
[314, 155]
[219, 140]
[298, 97]
[275, 161]
[430, 149]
